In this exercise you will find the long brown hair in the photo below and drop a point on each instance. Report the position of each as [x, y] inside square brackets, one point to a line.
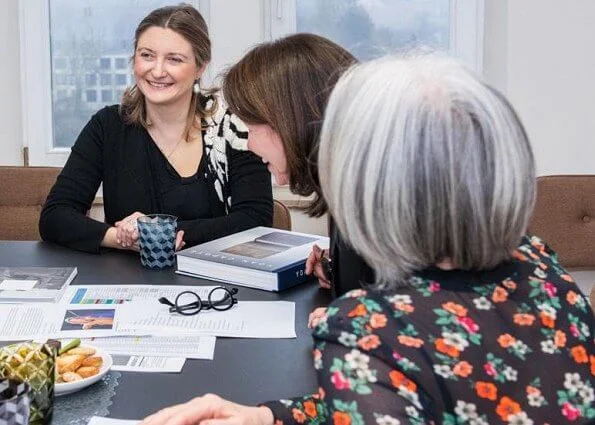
[186, 21]
[285, 84]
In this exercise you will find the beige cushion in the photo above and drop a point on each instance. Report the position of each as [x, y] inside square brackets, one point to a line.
[564, 217]
[23, 191]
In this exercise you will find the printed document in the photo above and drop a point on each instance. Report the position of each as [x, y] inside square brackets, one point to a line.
[43, 320]
[246, 319]
[127, 363]
[119, 294]
[191, 346]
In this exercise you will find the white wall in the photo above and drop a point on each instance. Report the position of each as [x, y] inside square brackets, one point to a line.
[11, 139]
[540, 54]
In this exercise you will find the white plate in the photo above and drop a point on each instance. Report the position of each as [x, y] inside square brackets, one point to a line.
[70, 387]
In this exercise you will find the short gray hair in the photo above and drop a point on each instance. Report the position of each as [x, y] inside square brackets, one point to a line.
[420, 162]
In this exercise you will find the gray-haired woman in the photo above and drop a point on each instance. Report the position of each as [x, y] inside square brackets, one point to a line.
[430, 176]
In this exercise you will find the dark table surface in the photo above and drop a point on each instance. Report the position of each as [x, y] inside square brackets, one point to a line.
[244, 370]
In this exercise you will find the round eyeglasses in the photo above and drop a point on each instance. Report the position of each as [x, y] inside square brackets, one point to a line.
[188, 303]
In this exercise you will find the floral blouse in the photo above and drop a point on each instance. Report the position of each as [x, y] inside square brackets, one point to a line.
[512, 345]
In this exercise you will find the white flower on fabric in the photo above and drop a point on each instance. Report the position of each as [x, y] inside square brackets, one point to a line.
[547, 309]
[347, 339]
[218, 190]
[465, 411]
[443, 370]
[535, 399]
[410, 395]
[482, 303]
[548, 346]
[587, 394]
[510, 374]
[412, 412]
[478, 421]
[572, 382]
[585, 329]
[357, 360]
[539, 273]
[520, 346]
[456, 340]
[520, 418]
[387, 420]
[400, 299]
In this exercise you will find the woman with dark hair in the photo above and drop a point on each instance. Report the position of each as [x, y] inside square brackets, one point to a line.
[170, 147]
[280, 90]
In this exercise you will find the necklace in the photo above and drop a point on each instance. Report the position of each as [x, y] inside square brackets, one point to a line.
[173, 150]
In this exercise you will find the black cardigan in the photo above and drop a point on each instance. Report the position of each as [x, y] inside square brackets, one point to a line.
[111, 152]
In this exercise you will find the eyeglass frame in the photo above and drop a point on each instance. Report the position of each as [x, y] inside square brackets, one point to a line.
[199, 304]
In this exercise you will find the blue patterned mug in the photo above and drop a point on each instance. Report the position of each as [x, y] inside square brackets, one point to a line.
[14, 402]
[157, 240]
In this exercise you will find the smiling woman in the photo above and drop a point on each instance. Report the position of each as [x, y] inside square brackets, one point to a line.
[169, 148]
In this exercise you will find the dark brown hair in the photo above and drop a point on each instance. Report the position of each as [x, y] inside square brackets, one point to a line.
[285, 84]
[186, 21]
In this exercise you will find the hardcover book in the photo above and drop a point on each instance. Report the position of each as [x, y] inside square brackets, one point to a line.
[262, 258]
[34, 284]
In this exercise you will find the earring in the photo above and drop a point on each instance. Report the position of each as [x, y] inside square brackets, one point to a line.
[196, 87]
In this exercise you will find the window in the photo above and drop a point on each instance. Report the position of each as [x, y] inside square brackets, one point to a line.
[105, 63]
[79, 43]
[106, 79]
[90, 41]
[91, 96]
[91, 80]
[370, 29]
[121, 63]
[121, 79]
[106, 96]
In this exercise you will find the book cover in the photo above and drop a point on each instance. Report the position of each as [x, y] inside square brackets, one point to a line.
[35, 284]
[261, 257]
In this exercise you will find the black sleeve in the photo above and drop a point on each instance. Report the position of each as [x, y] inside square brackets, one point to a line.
[251, 201]
[63, 218]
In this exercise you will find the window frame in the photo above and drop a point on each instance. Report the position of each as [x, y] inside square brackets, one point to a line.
[36, 85]
[466, 27]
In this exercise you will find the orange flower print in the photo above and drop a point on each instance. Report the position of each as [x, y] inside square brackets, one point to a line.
[506, 340]
[499, 295]
[510, 284]
[377, 321]
[592, 360]
[572, 297]
[579, 354]
[443, 347]
[507, 407]
[462, 369]
[567, 278]
[399, 380]
[310, 408]
[341, 418]
[404, 307]
[516, 254]
[524, 319]
[298, 415]
[368, 342]
[359, 310]
[410, 341]
[547, 320]
[560, 339]
[455, 308]
[486, 390]
[533, 390]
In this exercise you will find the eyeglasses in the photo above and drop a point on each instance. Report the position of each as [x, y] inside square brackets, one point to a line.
[188, 303]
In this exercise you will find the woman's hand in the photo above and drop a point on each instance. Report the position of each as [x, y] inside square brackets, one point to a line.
[127, 231]
[314, 266]
[316, 316]
[211, 409]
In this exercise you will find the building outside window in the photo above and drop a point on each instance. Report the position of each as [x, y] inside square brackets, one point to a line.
[107, 96]
[91, 96]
